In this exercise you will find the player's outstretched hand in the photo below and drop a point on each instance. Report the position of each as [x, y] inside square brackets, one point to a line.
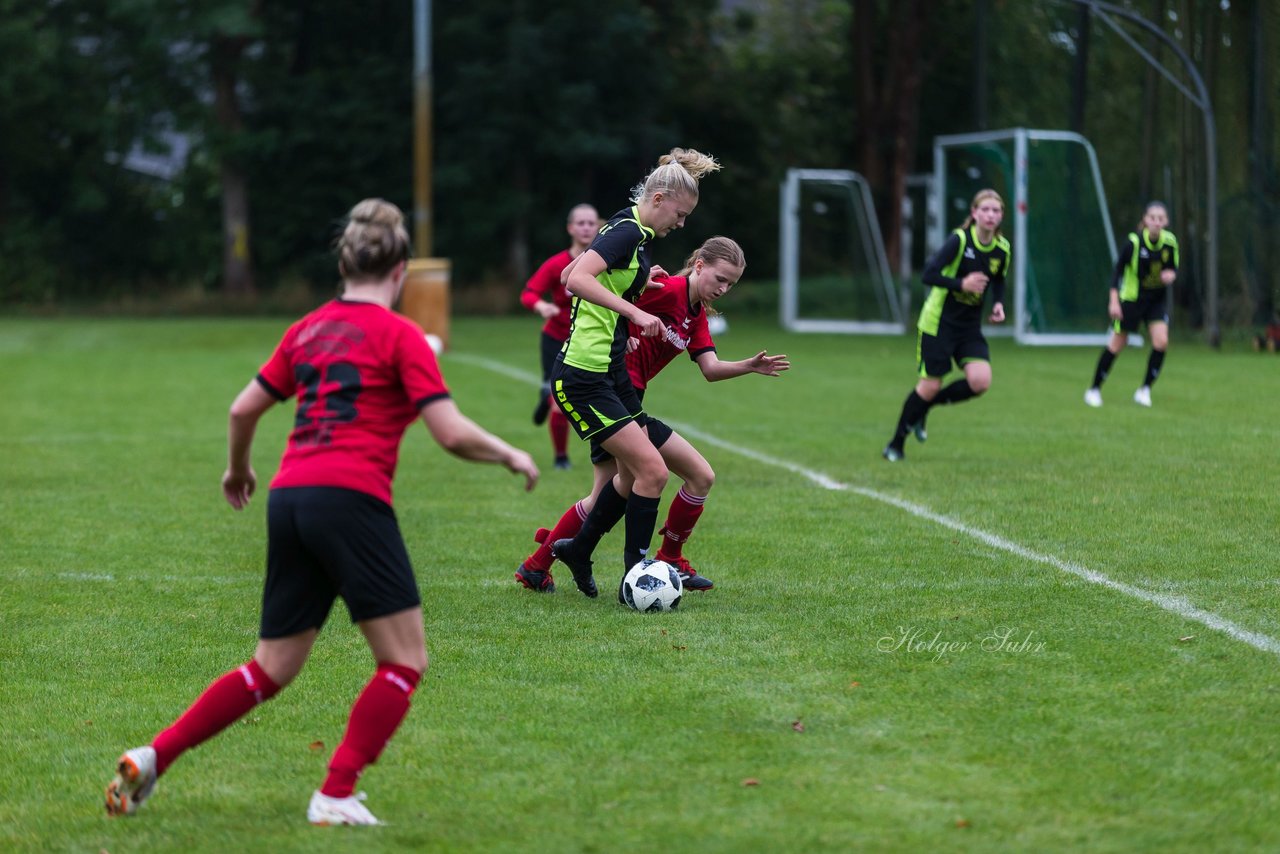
[769, 366]
[519, 462]
[238, 487]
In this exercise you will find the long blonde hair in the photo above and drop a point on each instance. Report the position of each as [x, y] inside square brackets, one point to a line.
[978, 198]
[676, 173]
[373, 241]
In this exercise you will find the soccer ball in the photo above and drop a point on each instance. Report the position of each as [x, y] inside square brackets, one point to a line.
[652, 585]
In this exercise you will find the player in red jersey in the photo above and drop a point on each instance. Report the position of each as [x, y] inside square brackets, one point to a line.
[681, 302]
[544, 295]
[362, 374]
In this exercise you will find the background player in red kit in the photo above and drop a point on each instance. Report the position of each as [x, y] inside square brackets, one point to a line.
[681, 303]
[547, 297]
[362, 374]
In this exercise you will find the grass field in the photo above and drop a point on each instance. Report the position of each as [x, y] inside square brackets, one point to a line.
[1050, 628]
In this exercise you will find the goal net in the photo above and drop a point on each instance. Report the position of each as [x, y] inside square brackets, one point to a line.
[1055, 216]
[833, 274]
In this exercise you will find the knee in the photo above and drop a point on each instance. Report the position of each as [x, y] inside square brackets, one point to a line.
[979, 385]
[700, 483]
[652, 478]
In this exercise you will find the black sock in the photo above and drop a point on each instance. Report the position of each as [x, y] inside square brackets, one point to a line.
[958, 391]
[914, 408]
[1105, 361]
[642, 518]
[1153, 367]
[608, 509]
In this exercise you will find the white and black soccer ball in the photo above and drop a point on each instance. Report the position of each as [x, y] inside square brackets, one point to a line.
[652, 585]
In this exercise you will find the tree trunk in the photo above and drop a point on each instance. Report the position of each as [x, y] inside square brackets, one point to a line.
[908, 74]
[237, 269]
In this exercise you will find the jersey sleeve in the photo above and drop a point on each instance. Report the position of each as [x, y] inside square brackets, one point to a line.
[1173, 244]
[700, 337]
[618, 244]
[419, 370]
[1126, 255]
[933, 268]
[276, 376]
[542, 284]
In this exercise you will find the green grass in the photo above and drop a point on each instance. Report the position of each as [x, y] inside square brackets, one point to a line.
[555, 723]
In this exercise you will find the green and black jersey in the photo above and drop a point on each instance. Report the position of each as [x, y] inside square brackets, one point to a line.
[598, 337]
[947, 303]
[1141, 261]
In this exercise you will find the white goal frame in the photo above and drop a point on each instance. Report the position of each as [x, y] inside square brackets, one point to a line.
[789, 256]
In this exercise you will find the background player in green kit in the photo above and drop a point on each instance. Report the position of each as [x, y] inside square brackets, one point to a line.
[974, 257]
[591, 384]
[1147, 266]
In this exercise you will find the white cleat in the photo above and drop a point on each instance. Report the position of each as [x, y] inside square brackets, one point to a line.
[327, 811]
[134, 782]
[1093, 397]
[1142, 396]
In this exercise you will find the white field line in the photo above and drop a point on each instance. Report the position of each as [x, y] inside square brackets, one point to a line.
[1173, 604]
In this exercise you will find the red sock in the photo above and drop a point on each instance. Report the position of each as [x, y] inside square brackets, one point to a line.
[682, 515]
[559, 427]
[378, 711]
[568, 526]
[223, 703]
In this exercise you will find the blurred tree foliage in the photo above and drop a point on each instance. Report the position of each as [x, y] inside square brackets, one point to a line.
[538, 106]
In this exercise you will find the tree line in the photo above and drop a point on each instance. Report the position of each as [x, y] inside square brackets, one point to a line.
[150, 148]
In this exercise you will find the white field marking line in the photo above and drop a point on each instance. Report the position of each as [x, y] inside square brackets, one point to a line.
[1174, 604]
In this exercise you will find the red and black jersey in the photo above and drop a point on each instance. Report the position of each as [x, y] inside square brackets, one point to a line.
[686, 330]
[544, 284]
[361, 374]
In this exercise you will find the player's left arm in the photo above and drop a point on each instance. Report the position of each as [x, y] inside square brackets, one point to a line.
[761, 363]
[997, 293]
[1169, 274]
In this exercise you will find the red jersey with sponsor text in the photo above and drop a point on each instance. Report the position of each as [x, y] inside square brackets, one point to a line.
[544, 284]
[686, 330]
[361, 373]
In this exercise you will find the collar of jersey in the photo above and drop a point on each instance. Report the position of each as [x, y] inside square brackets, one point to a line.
[985, 247]
[645, 231]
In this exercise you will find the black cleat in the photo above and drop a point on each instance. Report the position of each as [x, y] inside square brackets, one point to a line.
[689, 577]
[563, 463]
[542, 582]
[543, 409]
[918, 428]
[579, 566]
[893, 453]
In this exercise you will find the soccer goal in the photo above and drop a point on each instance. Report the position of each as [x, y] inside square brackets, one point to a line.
[1056, 217]
[833, 276]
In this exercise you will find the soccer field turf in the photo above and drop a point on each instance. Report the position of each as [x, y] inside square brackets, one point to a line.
[1049, 628]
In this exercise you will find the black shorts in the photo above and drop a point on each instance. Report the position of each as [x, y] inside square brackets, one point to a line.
[325, 542]
[549, 348]
[935, 353]
[1151, 306]
[657, 431]
[596, 404]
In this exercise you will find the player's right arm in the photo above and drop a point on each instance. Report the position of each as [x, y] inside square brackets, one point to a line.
[1117, 277]
[536, 295]
[239, 480]
[974, 283]
[580, 279]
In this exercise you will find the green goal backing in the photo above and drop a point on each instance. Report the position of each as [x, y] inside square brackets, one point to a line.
[1055, 216]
